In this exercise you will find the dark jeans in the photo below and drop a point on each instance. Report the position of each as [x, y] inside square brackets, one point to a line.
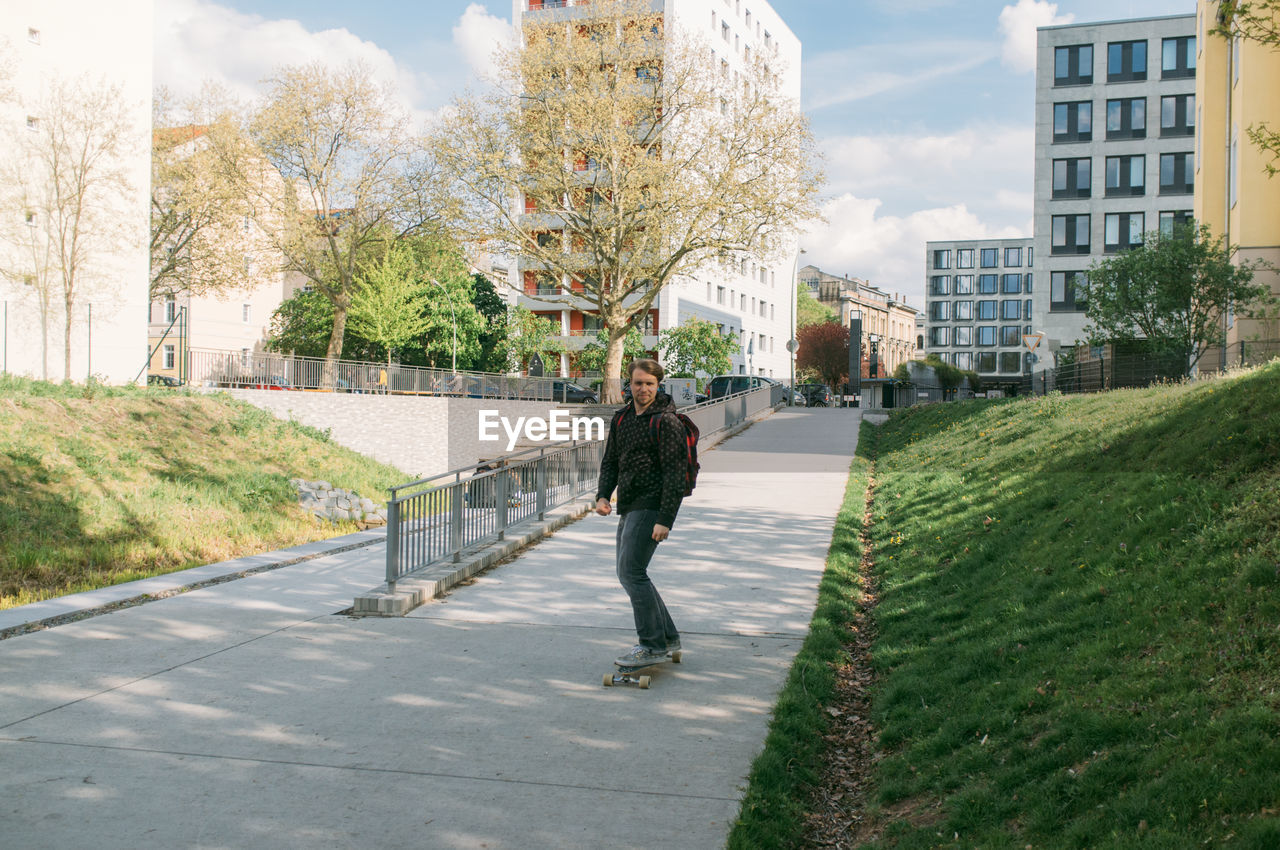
[635, 548]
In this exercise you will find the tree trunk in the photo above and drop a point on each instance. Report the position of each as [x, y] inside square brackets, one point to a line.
[336, 337]
[611, 386]
[66, 340]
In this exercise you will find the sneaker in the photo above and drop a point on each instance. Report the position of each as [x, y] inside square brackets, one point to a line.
[673, 646]
[641, 656]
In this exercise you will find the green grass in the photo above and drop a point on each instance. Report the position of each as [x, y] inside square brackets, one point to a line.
[1078, 627]
[101, 485]
[773, 808]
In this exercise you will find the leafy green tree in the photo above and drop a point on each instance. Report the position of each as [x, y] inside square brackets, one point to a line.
[1172, 291]
[811, 311]
[390, 306]
[696, 346]
[494, 354]
[440, 261]
[529, 334]
[593, 357]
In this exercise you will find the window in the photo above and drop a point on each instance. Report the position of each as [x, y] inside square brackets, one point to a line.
[1011, 334]
[1126, 176]
[1126, 60]
[31, 218]
[1176, 173]
[246, 313]
[942, 259]
[1011, 309]
[1026, 283]
[1010, 361]
[986, 311]
[1011, 284]
[719, 294]
[33, 123]
[1071, 179]
[1013, 256]
[169, 358]
[962, 336]
[939, 311]
[724, 31]
[170, 309]
[937, 337]
[987, 336]
[1178, 57]
[1127, 118]
[939, 284]
[1026, 312]
[1073, 65]
[963, 360]
[1070, 234]
[987, 284]
[1178, 115]
[1073, 122]
[33, 35]
[985, 361]
[963, 284]
[988, 258]
[964, 258]
[1122, 231]
[1068, 292]
[1173, 218]
[962, 311]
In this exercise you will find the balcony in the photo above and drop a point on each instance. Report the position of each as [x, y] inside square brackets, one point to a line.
[535, 5]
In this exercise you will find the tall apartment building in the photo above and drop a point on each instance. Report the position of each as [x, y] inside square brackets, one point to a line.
[979, 303]
[750, 297]
[81, 44]
[1116, 116]
[887, 320]
[1238, 87]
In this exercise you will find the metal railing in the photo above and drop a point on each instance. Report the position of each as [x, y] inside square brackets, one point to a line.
[440, 517]
[267, 371]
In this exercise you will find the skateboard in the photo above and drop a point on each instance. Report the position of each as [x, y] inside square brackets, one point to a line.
[627, 675]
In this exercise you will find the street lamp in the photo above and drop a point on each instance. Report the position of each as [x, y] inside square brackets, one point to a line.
[454, 315]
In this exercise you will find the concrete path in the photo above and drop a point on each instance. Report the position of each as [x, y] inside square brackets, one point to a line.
[252, 714]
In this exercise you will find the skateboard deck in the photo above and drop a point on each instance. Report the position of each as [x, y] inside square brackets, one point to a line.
[627, 675]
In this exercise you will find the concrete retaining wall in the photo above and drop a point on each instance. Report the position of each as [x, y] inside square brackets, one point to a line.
[419, 435]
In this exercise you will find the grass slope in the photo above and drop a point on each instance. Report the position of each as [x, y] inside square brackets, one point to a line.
[105, 485]
[1079, 619]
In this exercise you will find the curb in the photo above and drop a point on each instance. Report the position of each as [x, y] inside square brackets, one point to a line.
[78, 606]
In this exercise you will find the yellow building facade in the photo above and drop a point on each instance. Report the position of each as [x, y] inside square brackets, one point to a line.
[1238, 88]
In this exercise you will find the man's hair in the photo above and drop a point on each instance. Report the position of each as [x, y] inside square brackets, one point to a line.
[653, 367]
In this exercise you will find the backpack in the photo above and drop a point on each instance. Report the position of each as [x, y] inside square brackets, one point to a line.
[691, 465]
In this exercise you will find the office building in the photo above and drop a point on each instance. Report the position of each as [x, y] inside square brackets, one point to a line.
[888, 322]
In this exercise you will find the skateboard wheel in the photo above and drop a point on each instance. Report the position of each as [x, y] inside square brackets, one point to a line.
[608, 680]
[675, 656]
[644, 683]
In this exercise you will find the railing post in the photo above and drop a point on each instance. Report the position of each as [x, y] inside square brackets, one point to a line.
[455, 520]
[502, 500]
[393, 544]
[540, 487]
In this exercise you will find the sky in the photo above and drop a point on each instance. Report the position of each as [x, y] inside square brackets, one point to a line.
[923, 109]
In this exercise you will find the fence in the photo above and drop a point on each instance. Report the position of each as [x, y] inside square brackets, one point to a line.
[435, 518]
[265, 371]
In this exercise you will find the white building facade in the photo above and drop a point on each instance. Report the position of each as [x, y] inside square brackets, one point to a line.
[1115, 153]
[751, 297]
[85, 47]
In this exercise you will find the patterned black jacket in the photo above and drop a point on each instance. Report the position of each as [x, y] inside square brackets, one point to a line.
[648, 475]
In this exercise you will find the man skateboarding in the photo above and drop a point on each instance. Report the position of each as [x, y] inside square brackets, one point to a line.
[647, 465]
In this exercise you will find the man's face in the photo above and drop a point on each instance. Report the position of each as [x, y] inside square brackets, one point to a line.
[643, 387]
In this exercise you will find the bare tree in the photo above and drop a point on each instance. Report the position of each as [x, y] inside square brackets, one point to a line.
[68, 188]
[616, 156]
[354, 177]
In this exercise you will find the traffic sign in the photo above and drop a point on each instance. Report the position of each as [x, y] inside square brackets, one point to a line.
[1032, 341]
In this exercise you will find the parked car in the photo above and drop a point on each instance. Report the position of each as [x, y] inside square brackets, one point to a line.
[723, 385]
[566, 391]
[163, 381]
[816, 395]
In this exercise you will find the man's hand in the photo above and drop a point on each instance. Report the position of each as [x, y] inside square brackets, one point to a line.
[660, 532]
[603, 507]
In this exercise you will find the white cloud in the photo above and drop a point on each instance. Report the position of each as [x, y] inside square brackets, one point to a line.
[893, 193]
[479, 34]
[196, 40]
[1018, 27]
